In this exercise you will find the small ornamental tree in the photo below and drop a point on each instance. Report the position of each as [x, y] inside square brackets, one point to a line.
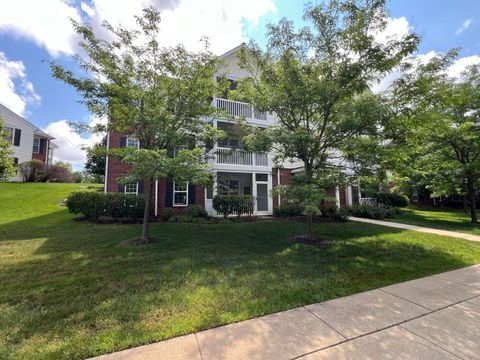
[96, 160]
[316, 81]
[7, 169]
[158, 95]
[437, 128]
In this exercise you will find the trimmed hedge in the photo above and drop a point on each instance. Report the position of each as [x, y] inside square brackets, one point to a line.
[116, 205]
[390, 199]
[372, 211]
[234, 205]
[287, 210]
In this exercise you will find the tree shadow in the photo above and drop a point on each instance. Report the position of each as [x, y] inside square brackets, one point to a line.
[75, 282]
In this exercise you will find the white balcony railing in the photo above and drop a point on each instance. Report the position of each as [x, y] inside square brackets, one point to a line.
[239, 109]
[240, 157]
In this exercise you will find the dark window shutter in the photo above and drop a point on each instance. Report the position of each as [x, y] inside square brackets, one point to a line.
[16, 137]
[121, 188]
[43, 144]
[123, 141]
[169, 193]
[15, 161]
[191, 194]
[141, 187]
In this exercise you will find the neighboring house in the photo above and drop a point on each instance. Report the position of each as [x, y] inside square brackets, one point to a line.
[28, 141]
[237, 171]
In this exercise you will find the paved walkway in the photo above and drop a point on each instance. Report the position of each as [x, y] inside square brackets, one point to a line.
[437, 317]
[418, 228]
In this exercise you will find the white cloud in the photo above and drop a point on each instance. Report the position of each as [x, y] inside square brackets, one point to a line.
[455, 70]
[394, 30]
[47, 22]
[16, 92]
[465, 25]
[70, 143]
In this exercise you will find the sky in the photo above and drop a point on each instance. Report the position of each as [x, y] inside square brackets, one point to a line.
[34, 32]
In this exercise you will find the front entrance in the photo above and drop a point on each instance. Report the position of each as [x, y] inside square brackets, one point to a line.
[262, 197]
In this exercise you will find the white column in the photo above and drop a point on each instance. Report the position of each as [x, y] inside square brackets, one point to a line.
[337, 197]
[254, 193]
[269, 192]
[349, 195]
[278, 184]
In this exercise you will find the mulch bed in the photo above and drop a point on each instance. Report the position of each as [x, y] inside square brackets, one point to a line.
[315, 241]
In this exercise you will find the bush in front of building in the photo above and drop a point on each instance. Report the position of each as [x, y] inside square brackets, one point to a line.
[390, 199]
[370, 211]
[233, 205]
[287, 210]
[93, 205]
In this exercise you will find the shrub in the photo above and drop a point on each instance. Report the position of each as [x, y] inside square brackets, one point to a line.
[32, 170]
[287, 210]
[372, 211]
[168, 213]
[334, 213]
[196, 211]
[184, 218]
[390, 199]
[233, 205]
[116, 205]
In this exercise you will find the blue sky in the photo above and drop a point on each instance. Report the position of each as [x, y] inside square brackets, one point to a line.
[33, 31]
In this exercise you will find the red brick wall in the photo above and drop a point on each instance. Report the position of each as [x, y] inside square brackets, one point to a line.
[343, 196]
[285, 176]
[116, 169]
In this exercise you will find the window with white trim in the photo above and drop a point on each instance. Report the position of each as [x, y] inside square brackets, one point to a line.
[132, 142]
[131, 188]
[8, 133]
[180, 193]
[36, 145]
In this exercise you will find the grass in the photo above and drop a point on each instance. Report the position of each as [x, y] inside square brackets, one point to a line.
[70, 289]
[445, 219]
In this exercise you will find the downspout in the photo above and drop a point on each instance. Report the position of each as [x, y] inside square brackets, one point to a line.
[278, 183]
[106, 165]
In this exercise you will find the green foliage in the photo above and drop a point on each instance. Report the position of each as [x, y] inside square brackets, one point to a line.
[334, 213]
[116, 205]
[436, 130]
[233, 205]
[316, 81]
[286, 210]
[168, 213]
[7, 169]
[390, 199]
[195, 211]
[96, 159]
[32, 170]
[369, 211]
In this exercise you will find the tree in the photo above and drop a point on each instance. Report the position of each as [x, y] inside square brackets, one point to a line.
[316, 81]
[158, 95]
[7, 169]
[438, 127]
[96, 160]
[64, 164]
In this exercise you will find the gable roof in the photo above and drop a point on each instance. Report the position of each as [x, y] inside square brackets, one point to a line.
[233, 51]
[6, 112]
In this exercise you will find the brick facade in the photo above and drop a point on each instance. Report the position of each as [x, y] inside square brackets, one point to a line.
[285, 176]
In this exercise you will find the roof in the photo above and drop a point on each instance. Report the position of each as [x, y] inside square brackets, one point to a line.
[233, 51]
[37, 131]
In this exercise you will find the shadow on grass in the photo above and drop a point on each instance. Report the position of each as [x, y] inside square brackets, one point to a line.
[75, 283]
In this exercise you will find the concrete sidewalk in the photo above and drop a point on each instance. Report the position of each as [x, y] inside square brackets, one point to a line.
[454, 234]
[437, 317]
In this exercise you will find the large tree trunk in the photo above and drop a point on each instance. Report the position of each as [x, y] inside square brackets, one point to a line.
[471, 198]
[145, 238]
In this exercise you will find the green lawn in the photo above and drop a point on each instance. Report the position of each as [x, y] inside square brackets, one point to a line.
[445, 219]
[69, 289]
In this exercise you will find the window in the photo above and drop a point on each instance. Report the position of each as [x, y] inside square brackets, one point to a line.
[261, 177]
[8, 134]
[36, 145]
[180, 194]
[15, 161]
[132, 142]
[228, 187]
[131, 188]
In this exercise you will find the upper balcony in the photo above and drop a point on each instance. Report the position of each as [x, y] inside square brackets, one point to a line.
[238, 109]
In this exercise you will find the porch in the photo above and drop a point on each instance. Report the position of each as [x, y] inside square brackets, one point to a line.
[256, 184]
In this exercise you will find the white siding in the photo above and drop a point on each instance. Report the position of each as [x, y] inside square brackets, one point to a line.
[24, 151]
